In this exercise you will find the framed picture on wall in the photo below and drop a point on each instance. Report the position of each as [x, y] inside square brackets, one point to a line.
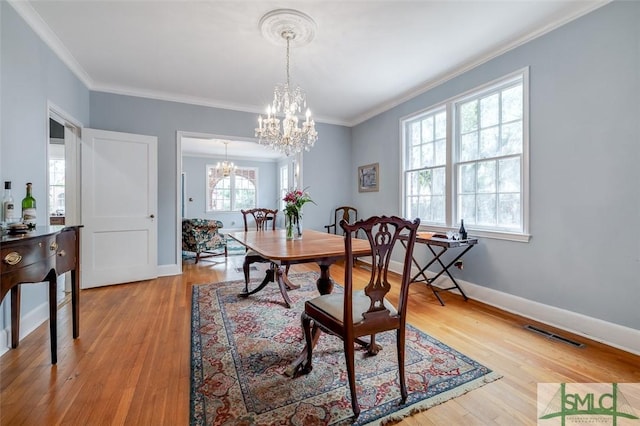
[368, 177]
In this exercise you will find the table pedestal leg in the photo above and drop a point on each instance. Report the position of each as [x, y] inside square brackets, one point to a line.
[277, 275]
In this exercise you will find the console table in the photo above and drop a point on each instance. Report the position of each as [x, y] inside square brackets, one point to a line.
[37, 256]
[444, 244]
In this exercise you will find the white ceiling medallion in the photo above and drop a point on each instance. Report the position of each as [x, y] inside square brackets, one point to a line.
[275, 23]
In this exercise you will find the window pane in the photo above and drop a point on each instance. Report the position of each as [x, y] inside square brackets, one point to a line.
[414, 130]
[512, 104]
[509, 211]
[488, 143]
[469, 146]
[486, 210]
[489, 111]
[427, 129]
[487, 177]
[467, 205]
[439, 181]
[416, 157]
[438, 209]
[221, 195]
[509, 175]
[427, 155]
[511, 139]
[468, 178]
[441, 152]
[441, 125]
[469, 116]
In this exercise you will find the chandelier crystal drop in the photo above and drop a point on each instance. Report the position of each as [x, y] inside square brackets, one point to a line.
[282, 129]
[225, 167]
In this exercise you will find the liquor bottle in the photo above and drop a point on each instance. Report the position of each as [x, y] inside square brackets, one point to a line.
[462, 232]
[8, 208]
[29, 208]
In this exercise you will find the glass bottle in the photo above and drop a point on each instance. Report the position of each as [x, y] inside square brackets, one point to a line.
[8, 207]
[29, 208]
[462, 232]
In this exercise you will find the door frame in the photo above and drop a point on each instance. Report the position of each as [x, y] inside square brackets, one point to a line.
[72, 133]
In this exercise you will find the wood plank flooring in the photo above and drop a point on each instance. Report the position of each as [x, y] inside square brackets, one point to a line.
[131, 364]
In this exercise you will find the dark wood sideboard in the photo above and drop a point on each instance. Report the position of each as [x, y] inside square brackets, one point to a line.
[40, 256]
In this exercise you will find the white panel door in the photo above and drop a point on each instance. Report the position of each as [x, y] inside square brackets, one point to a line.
[118, 208]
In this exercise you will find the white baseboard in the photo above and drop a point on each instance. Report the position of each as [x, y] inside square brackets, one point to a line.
[618, 336]
[168, 270]
[29, 322]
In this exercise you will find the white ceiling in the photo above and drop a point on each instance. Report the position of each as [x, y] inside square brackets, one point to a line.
[366, 57]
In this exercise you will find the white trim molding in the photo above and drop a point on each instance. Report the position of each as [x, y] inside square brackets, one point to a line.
[611, 334]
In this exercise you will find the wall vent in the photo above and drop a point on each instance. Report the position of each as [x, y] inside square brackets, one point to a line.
[554, 336]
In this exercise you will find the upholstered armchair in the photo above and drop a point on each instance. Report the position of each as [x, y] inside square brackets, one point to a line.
[202, 237]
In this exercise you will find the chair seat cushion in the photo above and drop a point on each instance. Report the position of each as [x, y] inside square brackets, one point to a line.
[333, 305]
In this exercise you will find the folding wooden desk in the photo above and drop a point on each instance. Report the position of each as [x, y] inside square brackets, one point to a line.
[444, 245]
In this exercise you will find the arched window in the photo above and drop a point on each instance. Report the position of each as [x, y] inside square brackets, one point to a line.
[234, 192]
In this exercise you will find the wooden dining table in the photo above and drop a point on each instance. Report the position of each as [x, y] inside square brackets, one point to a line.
[314, 247]
[317, 247]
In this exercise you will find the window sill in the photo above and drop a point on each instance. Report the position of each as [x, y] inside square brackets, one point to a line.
[495, 235]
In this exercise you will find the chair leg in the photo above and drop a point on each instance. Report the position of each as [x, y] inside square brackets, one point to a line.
[197, 256]
[349, 352]
[245, 270]
[306, 327]
[400, 348]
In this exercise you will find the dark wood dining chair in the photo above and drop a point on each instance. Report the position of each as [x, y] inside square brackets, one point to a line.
[355, 314]
[347, 213]
[263, 219]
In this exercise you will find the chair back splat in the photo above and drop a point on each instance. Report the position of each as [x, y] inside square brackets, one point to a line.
[347, 213]
[367, 312]
[261, 217]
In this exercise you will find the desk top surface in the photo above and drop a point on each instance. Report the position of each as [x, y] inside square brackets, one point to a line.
[442, 242]
[313, 245]
[39, 231]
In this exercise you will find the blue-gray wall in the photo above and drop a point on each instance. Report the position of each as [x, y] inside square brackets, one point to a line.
[31, 75]
[584, 254]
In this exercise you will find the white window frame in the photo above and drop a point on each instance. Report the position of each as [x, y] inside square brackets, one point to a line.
[232, 188]
[452, 222]
[284, 184]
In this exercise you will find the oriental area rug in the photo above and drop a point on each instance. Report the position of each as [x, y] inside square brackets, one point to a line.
[240, 349]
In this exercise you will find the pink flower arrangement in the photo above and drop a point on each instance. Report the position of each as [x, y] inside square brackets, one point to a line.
[295, 199]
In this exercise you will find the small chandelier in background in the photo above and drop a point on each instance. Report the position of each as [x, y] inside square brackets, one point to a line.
[225, 167]
[282, 129]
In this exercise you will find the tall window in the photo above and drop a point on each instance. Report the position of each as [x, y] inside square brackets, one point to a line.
[235, 192]
[489, 137]
[56, 186]
[425, 182]
[284, 184]
[467, 159]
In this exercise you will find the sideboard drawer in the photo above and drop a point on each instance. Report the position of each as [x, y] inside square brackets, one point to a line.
[19, 254]
[66, 253]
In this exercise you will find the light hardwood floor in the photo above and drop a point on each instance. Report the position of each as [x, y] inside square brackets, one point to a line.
[131, 363]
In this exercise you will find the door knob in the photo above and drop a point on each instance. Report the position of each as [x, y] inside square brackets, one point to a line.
[151, 216]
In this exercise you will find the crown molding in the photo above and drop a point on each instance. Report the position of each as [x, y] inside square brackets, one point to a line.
[449, 75]
[194, 100]
[40, 27]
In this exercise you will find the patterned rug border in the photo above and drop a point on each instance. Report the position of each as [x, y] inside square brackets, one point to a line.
[197, 399]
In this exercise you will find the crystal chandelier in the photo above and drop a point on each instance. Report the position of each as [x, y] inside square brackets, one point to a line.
[225, 167]
[282, 129]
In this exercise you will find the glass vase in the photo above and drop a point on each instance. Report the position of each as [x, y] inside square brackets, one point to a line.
[293, 226]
